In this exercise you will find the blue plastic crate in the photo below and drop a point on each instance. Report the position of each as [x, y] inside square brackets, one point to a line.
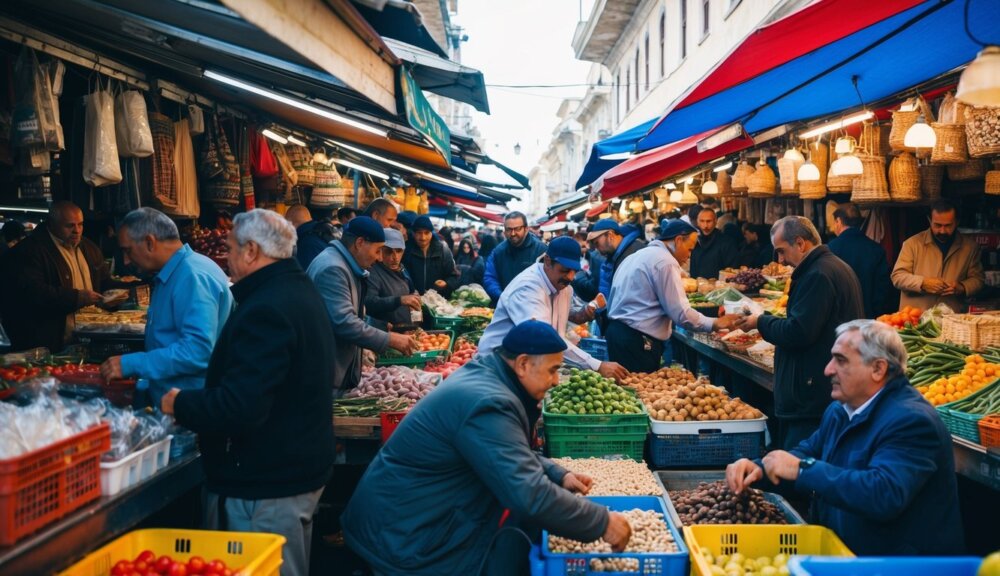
[596, 347]
[687, 450]
[888, 566]
[650, 564]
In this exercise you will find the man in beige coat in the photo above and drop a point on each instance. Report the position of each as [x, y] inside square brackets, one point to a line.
[938, 265]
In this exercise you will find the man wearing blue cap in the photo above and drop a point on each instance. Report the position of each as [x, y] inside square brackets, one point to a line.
[459, 458]
[616, 245]
[647, 297]
[543, 292]
[340, 272]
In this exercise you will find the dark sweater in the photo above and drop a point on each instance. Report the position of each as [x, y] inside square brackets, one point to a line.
[385, 288]
[426, 269]
[713, 253]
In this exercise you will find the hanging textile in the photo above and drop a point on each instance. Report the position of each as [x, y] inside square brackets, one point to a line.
[246, 174]
[185, 170]
[223, 187]
[164, 179]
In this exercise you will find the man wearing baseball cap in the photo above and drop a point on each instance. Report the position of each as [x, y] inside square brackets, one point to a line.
[391, 295]
[543, 292]
[462, 456]
[647, 297]
[615, 245]
[340, 274]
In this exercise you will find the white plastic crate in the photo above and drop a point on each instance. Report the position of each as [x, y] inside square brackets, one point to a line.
[134, 468]
[708, 426]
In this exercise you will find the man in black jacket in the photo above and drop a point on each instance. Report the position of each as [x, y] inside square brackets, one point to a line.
[714, 251]
[866, 258]
[519, 250]
[825, 294]
[428, 261]
[264, 416]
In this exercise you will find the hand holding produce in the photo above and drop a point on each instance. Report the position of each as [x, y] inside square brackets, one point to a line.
[715, 503]
[614, 477]
[649, 533]
[587, 392]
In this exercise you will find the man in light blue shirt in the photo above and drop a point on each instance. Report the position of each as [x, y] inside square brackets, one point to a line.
[647, 297]
[189, 305]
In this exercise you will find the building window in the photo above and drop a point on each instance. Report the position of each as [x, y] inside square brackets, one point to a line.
[663, 43]
[628, 93]
[706, 11]
[636, 74]
[684, 29]
[645, 63]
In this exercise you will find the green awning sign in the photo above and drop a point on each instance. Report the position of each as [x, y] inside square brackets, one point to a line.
[422, 117]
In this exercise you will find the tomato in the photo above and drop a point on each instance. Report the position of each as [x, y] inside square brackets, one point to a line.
[122, 568]
[217, 566]
[226, 572]
[140, 566]
[196, 565]
[163, 564]
[147, 556]
[178, 569]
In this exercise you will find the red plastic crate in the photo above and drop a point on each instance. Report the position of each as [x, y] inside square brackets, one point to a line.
[120, 391]
[390, 420]
[42, 486]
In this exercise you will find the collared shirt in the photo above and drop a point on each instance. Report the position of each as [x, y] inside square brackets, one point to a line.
[647, 294]
[532, 295]
[852, 413]
[79, 271]
[187, 310]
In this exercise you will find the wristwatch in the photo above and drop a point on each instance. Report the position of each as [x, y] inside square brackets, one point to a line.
[806, 463]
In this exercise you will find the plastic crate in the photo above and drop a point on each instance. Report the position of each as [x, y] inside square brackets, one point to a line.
[134, 468]
[420, 358]
[44, 485]
[101, 345]
[119, 391]
[389, 422]
[596, 423]
[989, 431]
[890, 566]
[961, 424]
[244, 552]
[756, 541]
[673, 480]
[443, 322]
[596, 347]
[650, 563]
[559, 445]
[687, 450]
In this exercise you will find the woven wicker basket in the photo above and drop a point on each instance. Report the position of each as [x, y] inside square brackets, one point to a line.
[975, 331]
[877, 135]
[971, 170]
[839, 184]
[930, 181]
[740, 177]
[982, 129]
[904, 178]
[901, 122]
[763, 183]
[946, 111]
[872, 185]
[725, 183]
[816, 190]
[950, 147]
[993, 180]
[788, 169]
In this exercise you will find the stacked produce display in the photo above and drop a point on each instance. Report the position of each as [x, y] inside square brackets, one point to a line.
[714, 503]
[649, 534]
[675, 395]
[619, 477]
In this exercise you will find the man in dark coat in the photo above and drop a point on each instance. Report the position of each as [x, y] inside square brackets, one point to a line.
[391, 295]
[757, 251]
[586, 285]
[825, 293]
[714, 251]
[313, 236]
[429, 261]
[60, 272]
[881, 467]
[867, 258]
[264, 416]
[459, 458]
[519, 250]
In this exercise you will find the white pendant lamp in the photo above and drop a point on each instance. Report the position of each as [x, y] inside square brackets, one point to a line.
[847, 165]
[980, 82]
[676, 196]
[808, 172]
[794, 155]
[920, 135]
[710, 188]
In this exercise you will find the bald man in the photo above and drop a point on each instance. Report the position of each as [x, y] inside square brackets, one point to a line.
[313, 236]
[61, 272]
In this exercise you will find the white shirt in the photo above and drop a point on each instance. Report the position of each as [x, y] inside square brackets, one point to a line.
[647, 294]
[531, 296]
[852, 413]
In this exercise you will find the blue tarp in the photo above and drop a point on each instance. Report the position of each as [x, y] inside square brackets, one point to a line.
[621, 142]
[888, 58]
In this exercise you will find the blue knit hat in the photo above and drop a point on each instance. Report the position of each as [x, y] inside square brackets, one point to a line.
[423, 223]
[365, 227]
[406, 218]
[533, 338]
[674, 228]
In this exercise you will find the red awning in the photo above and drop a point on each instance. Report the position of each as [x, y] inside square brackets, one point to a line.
[650, 168]
[486, 214]
[441, 199]
[597, 210]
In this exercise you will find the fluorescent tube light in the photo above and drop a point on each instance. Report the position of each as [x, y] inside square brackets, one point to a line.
[723, 167]
[361, 168]
[402, 166]
[729, 133]
[837, 125]
[274, 136]
[296, 141]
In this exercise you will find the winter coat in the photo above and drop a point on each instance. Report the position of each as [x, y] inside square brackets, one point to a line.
[471, 269]
[45, 289]
[506, 262]
[437, 264]
[312, 238]
[713, 253]
[263, 418]
[867, 258]
[881, 478]
[385, 288]
[756, 255]
[457, 460]
[825, 293]
[588, 284]
[921, 258]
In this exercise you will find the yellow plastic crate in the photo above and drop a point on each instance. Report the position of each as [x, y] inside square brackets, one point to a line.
[245, 553]
[753, 541]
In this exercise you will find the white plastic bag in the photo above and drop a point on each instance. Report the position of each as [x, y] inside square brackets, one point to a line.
[100, 149]
[135, 140]
[197, 118]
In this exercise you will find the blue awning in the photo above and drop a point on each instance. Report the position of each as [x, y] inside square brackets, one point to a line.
[445, 190]
[620, 143]
[888, 57]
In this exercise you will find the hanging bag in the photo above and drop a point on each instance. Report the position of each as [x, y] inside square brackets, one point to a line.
[32, 119]
[196, 119]
[209, 164]
[132, 132]
[263, 164]
[164, 177]
[100, 148]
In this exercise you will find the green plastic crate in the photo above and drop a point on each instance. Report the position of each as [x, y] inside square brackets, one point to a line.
[596, 423]
[963, 424]
[420, 359]
[560, 445]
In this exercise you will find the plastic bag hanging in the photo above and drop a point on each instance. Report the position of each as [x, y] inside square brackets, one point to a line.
[197, 119]
[32, 119]
[135, 140]
[100, 148]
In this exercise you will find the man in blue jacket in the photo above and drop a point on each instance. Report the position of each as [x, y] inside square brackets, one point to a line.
[460, 457]
[520, 250]
[866, 258]
[880, 468]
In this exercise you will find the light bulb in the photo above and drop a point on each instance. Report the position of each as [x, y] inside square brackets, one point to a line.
[648, 204]
[920, 135]
[808, 172]
[980, 82]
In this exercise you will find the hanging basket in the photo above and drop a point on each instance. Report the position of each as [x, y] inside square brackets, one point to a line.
[877, 136]
[950, 147]
[901, 122]
[725, 183]
[930, 181]
[971, 170]
[816, 190]
[993, 180]
[872, 185]
[763, 183]
[904, 178]
[839, 184]
[982, 130]
[740, 177]
[788, 169]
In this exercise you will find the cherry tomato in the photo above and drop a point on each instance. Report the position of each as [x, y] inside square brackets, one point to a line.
[147, 556]
[196, 565]
[140, 566]
[122, 568]
[178, 569]
[217, 566]
[163, 564]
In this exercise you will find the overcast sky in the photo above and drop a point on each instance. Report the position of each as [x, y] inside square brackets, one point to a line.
[522, 42]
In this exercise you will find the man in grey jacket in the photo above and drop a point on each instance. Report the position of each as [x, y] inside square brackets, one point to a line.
[340, 272]
[460, 457]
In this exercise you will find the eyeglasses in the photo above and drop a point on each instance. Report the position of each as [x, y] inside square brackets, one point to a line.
[513, 230]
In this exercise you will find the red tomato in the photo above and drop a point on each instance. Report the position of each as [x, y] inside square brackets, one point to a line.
[226, 572]
[178, 569]
[217, 566]
[147, 556]
[140, 566]
[122, 568]
[196, 565]
[163, 564]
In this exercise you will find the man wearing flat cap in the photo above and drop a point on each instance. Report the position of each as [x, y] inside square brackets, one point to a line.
[543, 292]
[340, 272]
[462, 456]
[391, 295]
[647, 297]
[615, 245]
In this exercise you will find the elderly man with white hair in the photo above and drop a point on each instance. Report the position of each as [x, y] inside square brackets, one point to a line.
[188, 307]
[264, 416]
[880, 469]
